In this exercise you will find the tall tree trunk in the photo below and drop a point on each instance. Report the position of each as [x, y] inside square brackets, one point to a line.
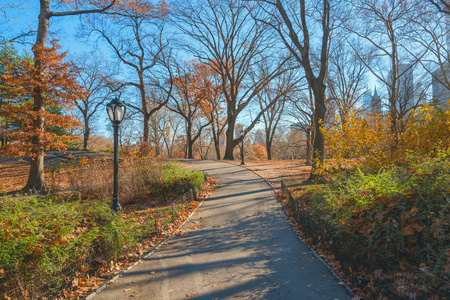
[319, 118]
[189, 141]
[36, 180]
[308, 147]
[146, 131]
[269, 147]
[229, 134]
[87, 133]
[216, 142]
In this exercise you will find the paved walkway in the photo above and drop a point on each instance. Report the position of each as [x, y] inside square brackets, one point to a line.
[239, 246]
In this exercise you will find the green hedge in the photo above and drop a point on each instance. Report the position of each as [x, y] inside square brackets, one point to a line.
[396, 221]
[44, 240]
[173, 179]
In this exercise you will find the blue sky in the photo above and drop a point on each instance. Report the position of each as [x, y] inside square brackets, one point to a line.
[62, 28]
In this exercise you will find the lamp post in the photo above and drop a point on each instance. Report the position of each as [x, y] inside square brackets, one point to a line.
[116, 112]
[242, 148]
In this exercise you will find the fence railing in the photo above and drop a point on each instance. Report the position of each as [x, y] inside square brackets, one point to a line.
[29, 283]
[395, 286]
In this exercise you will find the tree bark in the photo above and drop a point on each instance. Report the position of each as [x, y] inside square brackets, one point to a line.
[229, 134]
[319, 117]
[269, 147]
[308, 147]
[189, 141]
[87, 133]
[216, 139]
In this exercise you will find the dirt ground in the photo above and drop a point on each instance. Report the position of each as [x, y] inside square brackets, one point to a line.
[291, 171]
[13, 175]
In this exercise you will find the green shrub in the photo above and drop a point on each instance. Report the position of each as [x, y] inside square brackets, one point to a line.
[397, 217]
[174, 179]
[44, 239]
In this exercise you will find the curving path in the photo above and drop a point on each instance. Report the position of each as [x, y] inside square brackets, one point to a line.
[239, 245]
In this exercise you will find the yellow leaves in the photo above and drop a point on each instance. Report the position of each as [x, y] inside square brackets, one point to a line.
[374, 139]
[414, 211]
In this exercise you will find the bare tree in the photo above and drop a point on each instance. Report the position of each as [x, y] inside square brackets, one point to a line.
[433, 36]
[171, 124]
[282, 89]
[293, 20]
[386, 27]
[346, 80]
[442, 5]
[301, 110]
[232, 43]
[5, 32]
[136, 37]
[97, 81]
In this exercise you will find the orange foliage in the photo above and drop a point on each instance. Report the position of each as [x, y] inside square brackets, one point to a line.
[118, 8]
[198, 86]
[258, 152]
[59, 88]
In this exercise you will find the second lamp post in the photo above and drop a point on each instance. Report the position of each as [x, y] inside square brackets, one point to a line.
[242, 147]
[116, 112]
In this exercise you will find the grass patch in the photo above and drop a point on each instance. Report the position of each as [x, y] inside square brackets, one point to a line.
[43, 243]
[59, 246]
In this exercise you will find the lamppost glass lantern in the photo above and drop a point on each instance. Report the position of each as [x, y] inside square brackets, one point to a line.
[116, 112]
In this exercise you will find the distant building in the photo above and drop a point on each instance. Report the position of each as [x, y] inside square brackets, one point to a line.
[406, 92]
[440, 91]
[372, 103]
[260, 137]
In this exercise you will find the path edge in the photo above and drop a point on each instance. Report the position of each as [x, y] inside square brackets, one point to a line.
[145, 256]
[347, 288]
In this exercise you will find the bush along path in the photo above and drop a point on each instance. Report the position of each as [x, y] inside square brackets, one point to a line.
[387, 233]
[238, 245]
[66, 246]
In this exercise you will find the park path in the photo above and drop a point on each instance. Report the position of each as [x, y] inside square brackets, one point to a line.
[238, 245]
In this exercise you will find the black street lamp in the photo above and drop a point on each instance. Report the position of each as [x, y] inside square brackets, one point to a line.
[242, 148]
[116, 112]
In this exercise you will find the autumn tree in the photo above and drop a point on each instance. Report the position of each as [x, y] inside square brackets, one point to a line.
[97, 81]
[59, 89]
[193, 90]
[49, 9]
[224, 35]
[215, 112]
[135, 34]
[9, 60]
